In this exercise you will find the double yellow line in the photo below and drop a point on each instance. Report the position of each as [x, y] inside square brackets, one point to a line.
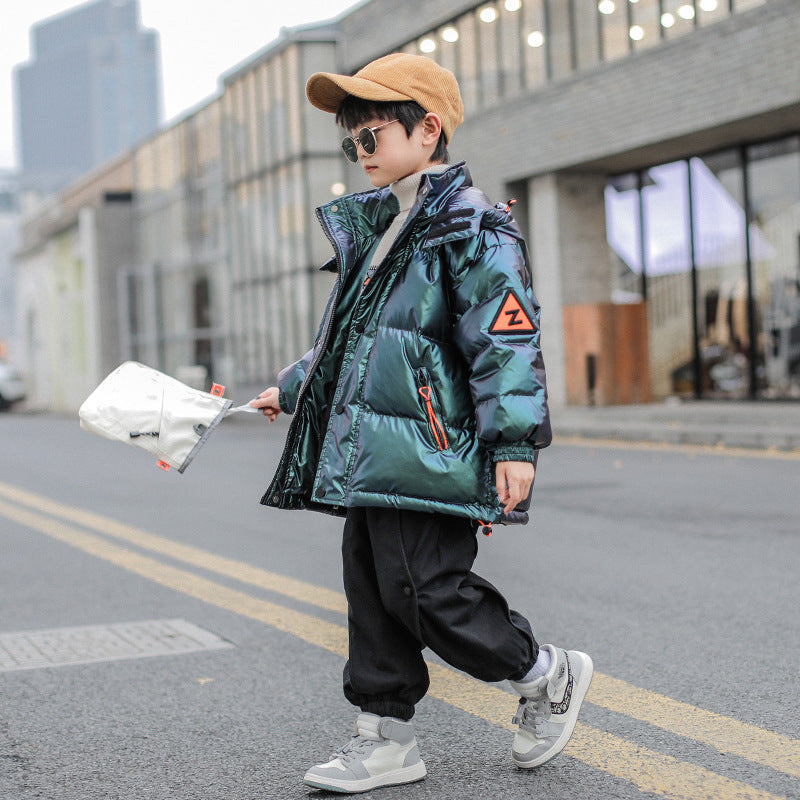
[649, 770]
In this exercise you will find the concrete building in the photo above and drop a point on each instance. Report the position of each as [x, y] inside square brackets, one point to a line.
[9, 216]
[653, 148]
[91, 90]
[71, 251]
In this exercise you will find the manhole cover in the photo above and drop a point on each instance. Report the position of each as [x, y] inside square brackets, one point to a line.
[90, 643]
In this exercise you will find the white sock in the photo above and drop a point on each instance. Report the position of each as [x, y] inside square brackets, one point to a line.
[539, 669]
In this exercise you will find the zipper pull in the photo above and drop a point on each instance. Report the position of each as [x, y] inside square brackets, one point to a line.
[433, 420]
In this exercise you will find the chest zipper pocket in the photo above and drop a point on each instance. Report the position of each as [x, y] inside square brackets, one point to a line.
[426, 393]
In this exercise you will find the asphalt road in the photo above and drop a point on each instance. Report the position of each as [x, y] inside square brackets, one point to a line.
[676, 569]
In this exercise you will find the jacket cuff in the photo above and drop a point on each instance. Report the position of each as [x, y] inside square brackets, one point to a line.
[283, 402]
[514, 451]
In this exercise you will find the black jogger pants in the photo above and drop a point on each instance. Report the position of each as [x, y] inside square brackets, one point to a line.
[409, 585]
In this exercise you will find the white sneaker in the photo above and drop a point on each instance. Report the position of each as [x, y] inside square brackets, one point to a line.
[549, 706]
[382, 752]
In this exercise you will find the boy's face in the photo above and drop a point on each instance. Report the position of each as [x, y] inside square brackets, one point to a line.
[397, 155]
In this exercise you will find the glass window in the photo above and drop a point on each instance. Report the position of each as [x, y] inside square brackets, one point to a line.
[614, 28]
[774, 230]
[295, 94]
[677, 18]
[488, 59]
[710, 11]
[534, 43]
[560, 31]
[511, 44]
[721, 259]
[668, 258]
[645, 28]
[468, 69]
[447, 41]
[587, 33]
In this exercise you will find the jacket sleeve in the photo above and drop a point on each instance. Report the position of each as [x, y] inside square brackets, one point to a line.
[290, 379]
[497, 332]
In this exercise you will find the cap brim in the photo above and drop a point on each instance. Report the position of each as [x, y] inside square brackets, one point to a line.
[326, 90]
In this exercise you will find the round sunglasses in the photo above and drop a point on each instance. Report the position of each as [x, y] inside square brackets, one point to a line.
[366, 138]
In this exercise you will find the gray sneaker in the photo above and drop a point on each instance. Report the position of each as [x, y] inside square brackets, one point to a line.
[548, 707]
[382, 752]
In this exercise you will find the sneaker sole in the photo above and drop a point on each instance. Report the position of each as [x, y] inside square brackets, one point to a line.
[416, 772]
[579, 690]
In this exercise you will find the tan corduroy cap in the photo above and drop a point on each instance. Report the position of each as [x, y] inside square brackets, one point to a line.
[398, 76]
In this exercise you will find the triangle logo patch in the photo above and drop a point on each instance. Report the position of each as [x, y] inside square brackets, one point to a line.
[511, 318]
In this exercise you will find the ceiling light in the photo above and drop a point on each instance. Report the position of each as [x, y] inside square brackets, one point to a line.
[536, 39]
[488, 14]
[427, 46]
[686, 12]
[708, 5]
[606, 7]
[667, 20]
[513, 5]
[338, 189]
[450, 34]
[636, 33]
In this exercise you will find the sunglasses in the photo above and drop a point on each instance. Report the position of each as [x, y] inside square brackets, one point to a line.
[365, 138]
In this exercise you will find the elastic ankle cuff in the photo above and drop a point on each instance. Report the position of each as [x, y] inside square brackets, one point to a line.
[389, 708]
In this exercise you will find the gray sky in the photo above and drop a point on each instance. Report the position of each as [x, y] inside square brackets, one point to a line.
[200, 39]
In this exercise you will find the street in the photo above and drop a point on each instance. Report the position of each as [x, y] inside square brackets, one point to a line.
[676, 568]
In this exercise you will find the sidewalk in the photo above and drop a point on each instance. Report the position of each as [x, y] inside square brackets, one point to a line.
[755, 425]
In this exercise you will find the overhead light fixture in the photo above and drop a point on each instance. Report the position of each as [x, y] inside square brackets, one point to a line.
[535, 39]
[667, 20]
[636, 33]
[427, 45]
[606, 6]
[338, 189]
[708, 5]
[450, 34]
[513, 5]
[488, 14]
[686, 12]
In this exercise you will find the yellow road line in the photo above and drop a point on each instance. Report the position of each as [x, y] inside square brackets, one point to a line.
[669, 447]
[305, 626]
[727, 735]
[255, 576]
[722, 733]
[647, 769]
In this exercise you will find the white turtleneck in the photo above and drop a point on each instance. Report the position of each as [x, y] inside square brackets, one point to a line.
[405, 190]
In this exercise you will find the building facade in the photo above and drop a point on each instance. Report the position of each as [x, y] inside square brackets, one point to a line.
[91, 90]
[653, 148]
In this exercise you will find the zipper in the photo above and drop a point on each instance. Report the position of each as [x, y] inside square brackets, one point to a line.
[272, 495]
[426, 393]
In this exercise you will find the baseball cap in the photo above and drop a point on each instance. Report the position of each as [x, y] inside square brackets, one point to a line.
[396, 77]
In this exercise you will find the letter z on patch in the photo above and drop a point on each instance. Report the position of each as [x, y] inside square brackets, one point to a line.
[511, 318]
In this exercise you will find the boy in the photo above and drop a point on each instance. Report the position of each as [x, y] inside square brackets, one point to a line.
[418, 412]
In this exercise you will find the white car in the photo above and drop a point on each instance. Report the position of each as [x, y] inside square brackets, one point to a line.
[12, 389]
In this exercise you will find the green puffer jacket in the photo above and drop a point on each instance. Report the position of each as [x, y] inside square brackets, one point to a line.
[425, 375]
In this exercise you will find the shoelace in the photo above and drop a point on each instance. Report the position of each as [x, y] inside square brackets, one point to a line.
[357, 746]
[531, 714]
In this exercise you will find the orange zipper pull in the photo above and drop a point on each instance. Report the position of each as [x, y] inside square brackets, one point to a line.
[433, 420]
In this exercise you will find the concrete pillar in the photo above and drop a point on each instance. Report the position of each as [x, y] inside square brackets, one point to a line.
[566, 218]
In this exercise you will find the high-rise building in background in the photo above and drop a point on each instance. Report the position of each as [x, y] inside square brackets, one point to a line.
[91, 89]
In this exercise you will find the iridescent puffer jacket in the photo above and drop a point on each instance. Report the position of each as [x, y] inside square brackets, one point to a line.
[425, 375]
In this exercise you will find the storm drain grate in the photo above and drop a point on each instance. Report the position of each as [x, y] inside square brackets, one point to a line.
[91, 643]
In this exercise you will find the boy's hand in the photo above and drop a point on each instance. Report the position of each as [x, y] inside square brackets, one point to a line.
[267, 401]
[514, 479]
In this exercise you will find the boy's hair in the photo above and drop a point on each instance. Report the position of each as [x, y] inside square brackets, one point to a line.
[355, 111]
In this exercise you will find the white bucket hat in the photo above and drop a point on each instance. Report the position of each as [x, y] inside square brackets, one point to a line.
[141, 406]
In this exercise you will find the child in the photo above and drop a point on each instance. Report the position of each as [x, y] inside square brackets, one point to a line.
[418, 412]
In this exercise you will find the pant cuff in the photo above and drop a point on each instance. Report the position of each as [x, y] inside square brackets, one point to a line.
[389, 708]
